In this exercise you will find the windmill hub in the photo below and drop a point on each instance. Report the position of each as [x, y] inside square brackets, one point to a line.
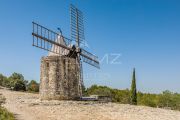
[78, 50]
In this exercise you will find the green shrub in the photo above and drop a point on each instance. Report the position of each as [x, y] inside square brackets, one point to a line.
[5, 115]
[2, 99]
[169, 100]
[33, 86]
[147, 99]
[121, 96]
[19, 85]
[4, 81]
[99, 90]
[17, 82]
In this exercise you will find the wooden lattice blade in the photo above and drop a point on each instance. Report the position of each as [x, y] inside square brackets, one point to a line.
[89, 58]
[77, 25]
[49, 40]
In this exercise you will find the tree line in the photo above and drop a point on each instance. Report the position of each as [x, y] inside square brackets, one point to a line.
[166, 99]
[17, 82]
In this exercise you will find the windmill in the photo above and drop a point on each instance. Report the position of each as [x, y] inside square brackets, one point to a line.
[62, 49]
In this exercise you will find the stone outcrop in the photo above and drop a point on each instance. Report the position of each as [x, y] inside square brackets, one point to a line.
[59, 78]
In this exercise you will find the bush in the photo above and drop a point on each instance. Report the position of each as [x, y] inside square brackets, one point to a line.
[33, 86]
[120, 96]
[5, 115]
[2, 99]
[19, 85]
[169, 100]
[17, 82]
[99, 90]
[1, 79]
[147, 99]
[4, 81]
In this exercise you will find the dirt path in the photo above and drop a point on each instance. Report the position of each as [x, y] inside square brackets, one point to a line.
[27, 106]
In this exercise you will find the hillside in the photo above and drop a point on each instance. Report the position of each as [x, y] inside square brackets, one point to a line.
[27, 106]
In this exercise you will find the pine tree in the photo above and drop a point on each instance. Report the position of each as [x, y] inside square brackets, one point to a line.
[133, 92]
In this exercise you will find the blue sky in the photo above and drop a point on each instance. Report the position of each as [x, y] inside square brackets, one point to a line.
[146, 33]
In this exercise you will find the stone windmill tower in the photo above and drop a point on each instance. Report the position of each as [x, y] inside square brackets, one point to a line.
[61, 71]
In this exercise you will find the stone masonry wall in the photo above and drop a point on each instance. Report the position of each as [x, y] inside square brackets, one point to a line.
[59, 78]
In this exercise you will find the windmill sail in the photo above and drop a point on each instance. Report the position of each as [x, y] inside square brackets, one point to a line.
[89, 58]
[77, 26]
[77, 34]
[49, 40]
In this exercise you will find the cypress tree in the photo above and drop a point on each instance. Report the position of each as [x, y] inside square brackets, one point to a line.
[133, 92]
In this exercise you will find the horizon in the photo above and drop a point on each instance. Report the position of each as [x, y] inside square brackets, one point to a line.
[124, 34]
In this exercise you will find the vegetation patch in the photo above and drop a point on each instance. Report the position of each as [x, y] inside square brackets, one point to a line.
[4, 114]
[166, 99]
[17, 82]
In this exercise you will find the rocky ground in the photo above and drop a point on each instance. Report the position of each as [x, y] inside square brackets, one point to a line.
[27, 106]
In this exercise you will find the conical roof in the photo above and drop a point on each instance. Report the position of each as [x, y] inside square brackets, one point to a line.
[59, 51]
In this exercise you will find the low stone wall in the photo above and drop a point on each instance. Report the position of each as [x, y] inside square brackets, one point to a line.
[59, 78]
